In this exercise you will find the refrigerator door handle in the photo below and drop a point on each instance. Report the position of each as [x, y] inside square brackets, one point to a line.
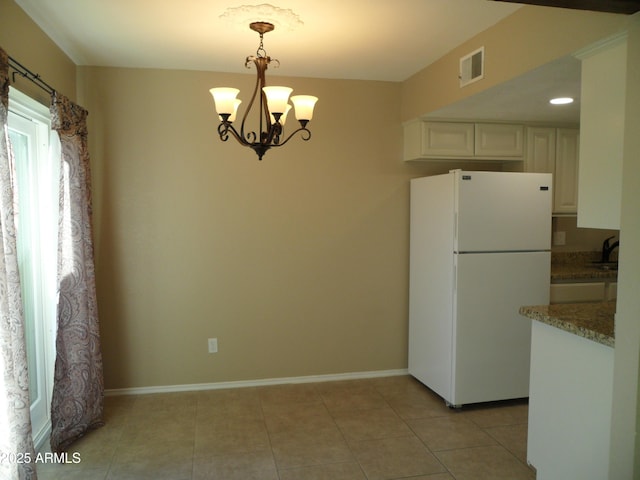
[455, 229]
[455, 274]
[479, 252]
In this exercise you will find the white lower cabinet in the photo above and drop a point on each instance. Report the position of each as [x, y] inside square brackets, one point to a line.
[570, 402]
[577, 292]
[582, 292]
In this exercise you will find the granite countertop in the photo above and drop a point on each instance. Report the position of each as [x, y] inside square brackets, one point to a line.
[593, 321]
[578, 266]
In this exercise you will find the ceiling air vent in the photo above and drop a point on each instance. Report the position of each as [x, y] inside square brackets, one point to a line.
[472, 67]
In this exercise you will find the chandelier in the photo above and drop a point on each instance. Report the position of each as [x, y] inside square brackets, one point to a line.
[273, 106]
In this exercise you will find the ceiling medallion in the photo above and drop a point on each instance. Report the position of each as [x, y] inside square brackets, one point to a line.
[283, 18]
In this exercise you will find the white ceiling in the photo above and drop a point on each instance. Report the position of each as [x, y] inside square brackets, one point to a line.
[347, 39]
[525, 98]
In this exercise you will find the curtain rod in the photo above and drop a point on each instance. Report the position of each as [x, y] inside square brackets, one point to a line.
[19, 69]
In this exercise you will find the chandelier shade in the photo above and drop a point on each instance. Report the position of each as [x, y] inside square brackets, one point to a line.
[277, 98]
[272, 106]
[226, 102]
[304, 105]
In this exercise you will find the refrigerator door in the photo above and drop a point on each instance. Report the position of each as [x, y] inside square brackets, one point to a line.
[492, 341]
[503, 211]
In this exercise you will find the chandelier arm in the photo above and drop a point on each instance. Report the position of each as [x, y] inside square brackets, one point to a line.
[253, 97]
[272, 136]
[306, 135]
[261, 64]
[260, 147]
[224, 129]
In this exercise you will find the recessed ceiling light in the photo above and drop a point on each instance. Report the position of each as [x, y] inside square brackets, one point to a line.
[561, 100]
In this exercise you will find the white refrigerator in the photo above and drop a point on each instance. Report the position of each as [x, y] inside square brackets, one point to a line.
[479, 249]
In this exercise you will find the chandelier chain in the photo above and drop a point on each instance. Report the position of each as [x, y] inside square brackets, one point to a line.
[261, 52]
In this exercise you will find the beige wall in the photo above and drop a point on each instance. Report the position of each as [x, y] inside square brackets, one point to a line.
[297, 264]
[580, 239]
[21, 38]
[530, 37]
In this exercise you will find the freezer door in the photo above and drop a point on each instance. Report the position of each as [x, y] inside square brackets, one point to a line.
[503, 211]
[492, 341]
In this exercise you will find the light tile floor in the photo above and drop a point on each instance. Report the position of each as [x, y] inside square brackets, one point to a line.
[383, 428]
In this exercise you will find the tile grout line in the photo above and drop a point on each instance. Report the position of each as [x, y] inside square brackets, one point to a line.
[505, 446]
[427, 447]
[266, 429]
[119, 441]
[344, 439]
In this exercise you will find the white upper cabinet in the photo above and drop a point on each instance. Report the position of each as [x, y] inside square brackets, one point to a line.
[541, 150]
[499, 140]
[602, 112]
[425, 140]
[565, 178]
[437, 140]
[447, 139]
[556, 150]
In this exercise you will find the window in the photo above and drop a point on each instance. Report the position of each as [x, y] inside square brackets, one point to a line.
[37, 179]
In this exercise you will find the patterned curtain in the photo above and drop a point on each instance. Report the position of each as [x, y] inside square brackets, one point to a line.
[78, 388]
[16, 444]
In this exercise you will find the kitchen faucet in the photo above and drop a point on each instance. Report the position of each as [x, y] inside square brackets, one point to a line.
[608, 248]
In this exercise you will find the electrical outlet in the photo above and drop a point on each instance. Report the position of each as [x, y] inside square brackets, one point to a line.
[213, 345]
[559, 238]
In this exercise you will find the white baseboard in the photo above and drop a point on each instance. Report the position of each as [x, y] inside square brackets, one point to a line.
[254, 383]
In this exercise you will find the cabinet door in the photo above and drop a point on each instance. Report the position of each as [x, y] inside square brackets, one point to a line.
[447, 139]
[499, 140]
[602, 120]
[541, 150]
[566, 171]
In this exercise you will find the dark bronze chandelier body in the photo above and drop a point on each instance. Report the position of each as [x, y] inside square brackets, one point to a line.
[271, 122]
